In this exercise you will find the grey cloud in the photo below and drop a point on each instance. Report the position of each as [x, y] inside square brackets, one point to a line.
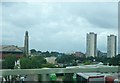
[57, 26]
[101, 14]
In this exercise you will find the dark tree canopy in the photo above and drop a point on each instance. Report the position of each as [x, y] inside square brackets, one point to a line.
[9, 62]
[32, 62]
[33, 51]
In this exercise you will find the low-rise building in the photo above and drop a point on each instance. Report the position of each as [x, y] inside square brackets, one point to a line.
[51, 59]
[79, 54]
[6, 50]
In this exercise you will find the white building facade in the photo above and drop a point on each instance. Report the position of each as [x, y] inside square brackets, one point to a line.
[51, 59]
[91, 45]
[111, 46]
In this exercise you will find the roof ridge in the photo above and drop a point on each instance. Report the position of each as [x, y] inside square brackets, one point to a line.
[19, 48]
[11, 48]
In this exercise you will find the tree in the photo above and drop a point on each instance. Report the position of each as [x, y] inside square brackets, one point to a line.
[48, 65]
[25, 63]
[32, 62]
[54, 54]
[37, 61]
[65, 59]
[114, 61]
[32, 51]
[87, 62]
[39, 52]
[9, 62]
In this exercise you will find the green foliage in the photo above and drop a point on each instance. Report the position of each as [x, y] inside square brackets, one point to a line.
[114, 61]
[70, 59]
[33, 51]
[54, 54]
[44, 54]
[87, 62]
[49, 65]
[25, 63]
[9, 62]
[65, 59]
[53, 77]
[32, 62]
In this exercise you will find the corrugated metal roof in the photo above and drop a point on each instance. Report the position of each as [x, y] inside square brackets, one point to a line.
[92, 74]
[11, 48]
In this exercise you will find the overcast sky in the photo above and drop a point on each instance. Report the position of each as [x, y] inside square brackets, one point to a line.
[59, 27]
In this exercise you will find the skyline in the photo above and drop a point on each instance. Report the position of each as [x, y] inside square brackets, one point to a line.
[59, 26]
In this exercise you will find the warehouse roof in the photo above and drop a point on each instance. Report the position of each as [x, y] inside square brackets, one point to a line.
[11, 48]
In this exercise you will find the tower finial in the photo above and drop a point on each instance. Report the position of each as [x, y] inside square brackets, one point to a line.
[26, 33]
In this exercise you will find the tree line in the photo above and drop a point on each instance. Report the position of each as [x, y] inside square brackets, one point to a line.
[69, 59]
